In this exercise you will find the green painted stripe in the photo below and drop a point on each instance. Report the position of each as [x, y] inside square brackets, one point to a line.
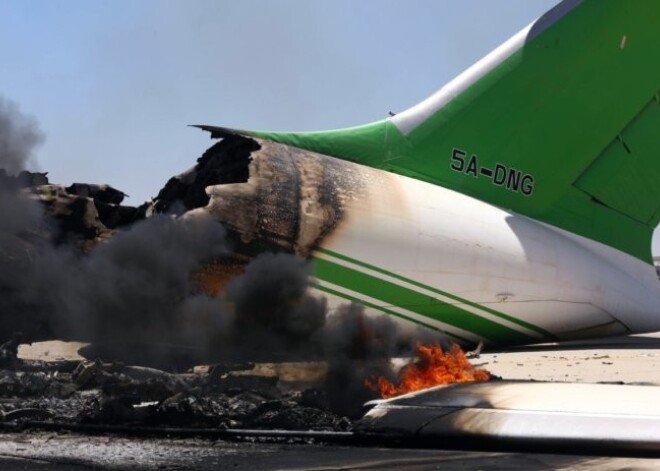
[507, 317]
[396, 295]
[348, 297]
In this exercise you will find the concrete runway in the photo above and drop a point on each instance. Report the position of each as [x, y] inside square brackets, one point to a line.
[633, 360]
[48, 451]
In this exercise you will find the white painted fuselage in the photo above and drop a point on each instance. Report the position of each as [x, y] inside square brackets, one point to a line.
[447, 255]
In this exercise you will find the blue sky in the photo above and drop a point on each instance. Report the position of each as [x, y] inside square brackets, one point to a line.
[113, 84]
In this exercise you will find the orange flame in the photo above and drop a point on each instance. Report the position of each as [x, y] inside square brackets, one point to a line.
[432, 367]
[212, 279]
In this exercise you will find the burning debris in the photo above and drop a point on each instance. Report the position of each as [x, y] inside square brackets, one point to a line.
[234, 396]
[432, 367]
[223, 396]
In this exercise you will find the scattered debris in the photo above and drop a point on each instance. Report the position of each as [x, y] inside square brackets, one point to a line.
[114, 394]
[83, 211]
[9, 350]
[476, 353]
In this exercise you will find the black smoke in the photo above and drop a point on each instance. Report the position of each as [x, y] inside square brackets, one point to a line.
[20, 217]
[19, 136]
[271, 302]
[127, 290]
[358, 346]
[132, 294]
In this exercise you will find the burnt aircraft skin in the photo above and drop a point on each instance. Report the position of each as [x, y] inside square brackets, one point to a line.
[292, 200]
[225, 162]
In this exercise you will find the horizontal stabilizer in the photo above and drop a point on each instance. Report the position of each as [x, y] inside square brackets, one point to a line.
[574, 417]
[219, 132]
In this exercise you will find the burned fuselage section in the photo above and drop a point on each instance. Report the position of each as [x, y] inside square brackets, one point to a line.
[270, 196]
[425, 253]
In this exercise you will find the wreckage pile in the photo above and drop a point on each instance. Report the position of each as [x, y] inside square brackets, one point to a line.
[83, 211]
[80, 217]
[97, 393]
[222, 397]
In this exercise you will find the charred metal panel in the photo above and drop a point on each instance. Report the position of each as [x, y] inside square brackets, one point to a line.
[225, 162]
[291, 201]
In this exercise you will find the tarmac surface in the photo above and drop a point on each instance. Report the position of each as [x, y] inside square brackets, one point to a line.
[630, 360]
[70, 451]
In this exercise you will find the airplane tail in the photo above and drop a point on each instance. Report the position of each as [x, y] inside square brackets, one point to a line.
[560, 123]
